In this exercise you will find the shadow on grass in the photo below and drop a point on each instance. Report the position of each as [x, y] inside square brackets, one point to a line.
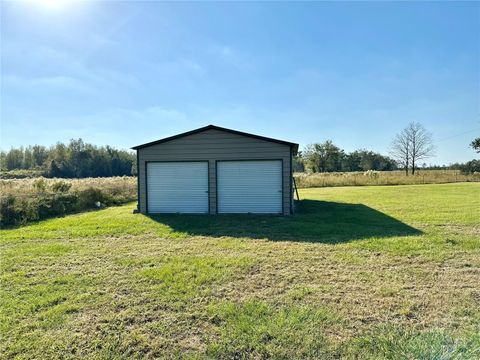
[314, 221]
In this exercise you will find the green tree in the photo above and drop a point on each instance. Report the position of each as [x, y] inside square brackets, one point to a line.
[40, 155]
[75, 159]
[475, 144]
[28, 162]
[324, 157]
[298, 163]
[54, 170]
[14, 159]
[3, 160]
[352, 161]
[363, 160]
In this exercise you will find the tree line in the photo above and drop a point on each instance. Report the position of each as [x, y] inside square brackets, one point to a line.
[327, 157]
[408, 150]
[76, 159]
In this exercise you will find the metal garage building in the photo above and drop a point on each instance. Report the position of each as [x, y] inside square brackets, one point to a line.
[215, 170]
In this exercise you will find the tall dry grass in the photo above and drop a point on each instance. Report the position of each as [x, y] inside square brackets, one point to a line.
[120, 185]
[307, 180]
[23, 200]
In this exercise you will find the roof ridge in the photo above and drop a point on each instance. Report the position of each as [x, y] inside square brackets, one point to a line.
[211, 126]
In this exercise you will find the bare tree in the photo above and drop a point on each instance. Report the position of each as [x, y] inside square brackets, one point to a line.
[421, 144]
[400, 149]
[411, 145]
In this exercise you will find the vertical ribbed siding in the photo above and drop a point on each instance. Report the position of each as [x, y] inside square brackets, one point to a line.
[249, 187]
[177, 187]
[212, 146]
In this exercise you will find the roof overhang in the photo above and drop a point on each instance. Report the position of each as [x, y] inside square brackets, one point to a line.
[293, 146]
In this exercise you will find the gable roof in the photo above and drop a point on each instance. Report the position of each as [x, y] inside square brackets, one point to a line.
[213, 127]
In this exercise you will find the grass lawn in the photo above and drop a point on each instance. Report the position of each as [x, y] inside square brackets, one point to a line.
[359, 272]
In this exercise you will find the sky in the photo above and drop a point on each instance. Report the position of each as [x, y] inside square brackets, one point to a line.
[125, 73]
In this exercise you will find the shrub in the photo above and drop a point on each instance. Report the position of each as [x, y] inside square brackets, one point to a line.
[21, 174]
[87, 198]
[61, 186]
[40, 185]
[8, 211]
[471, 167]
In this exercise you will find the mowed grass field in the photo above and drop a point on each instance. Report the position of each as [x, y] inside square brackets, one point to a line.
[359, 272]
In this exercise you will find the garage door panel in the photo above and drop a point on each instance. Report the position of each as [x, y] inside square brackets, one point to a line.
[177, 187]
[249, 186]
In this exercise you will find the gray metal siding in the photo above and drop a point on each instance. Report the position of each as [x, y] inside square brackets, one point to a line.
[249, 186]
[212, 145]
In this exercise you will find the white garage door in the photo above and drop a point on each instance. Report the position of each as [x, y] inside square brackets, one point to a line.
[249, 187]
[177, 187]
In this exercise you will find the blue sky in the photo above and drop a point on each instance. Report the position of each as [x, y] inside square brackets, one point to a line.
[124, 73]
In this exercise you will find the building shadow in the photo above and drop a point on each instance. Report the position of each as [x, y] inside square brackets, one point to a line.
[314, 221]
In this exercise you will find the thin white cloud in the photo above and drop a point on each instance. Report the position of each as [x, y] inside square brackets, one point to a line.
[59, 82]
[62, 70]
[123, 116]
[232, 56]
[178, 67]
[98, 41]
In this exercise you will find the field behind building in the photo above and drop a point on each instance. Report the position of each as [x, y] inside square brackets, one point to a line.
[369, 178]
[359, 272]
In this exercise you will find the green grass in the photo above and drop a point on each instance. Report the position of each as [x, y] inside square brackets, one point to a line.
[359, 272]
